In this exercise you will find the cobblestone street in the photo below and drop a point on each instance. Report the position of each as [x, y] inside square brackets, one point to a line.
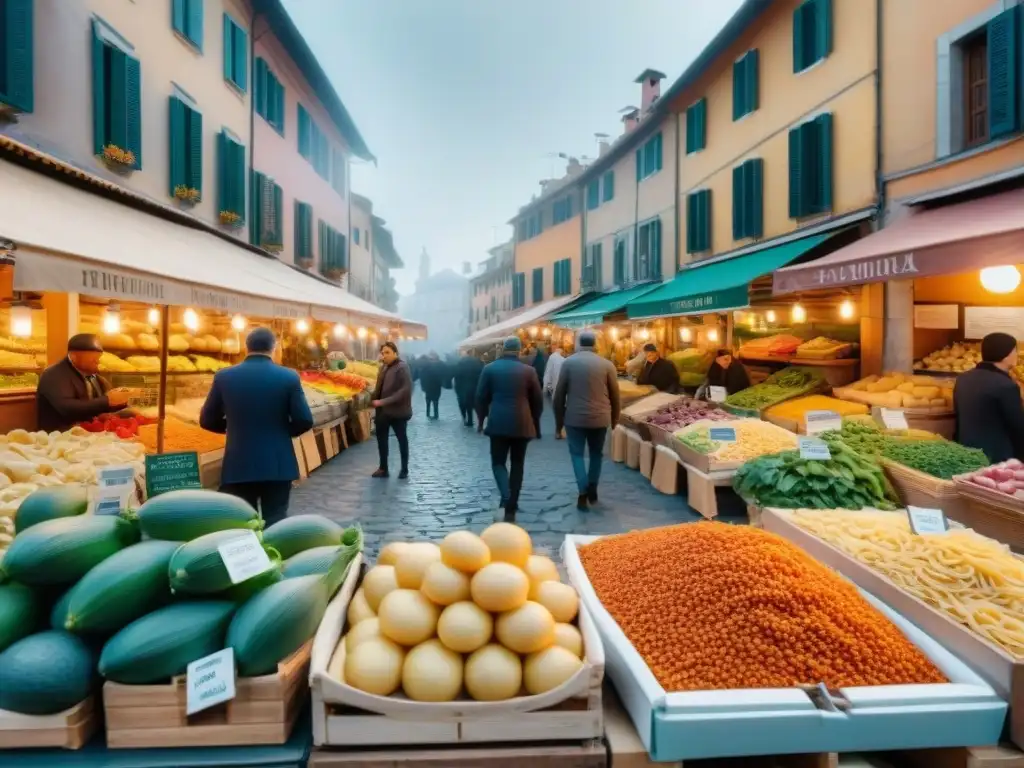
[451, 487]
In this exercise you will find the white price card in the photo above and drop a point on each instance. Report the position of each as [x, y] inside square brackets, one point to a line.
[814, 449]
[109, 477]
[722, 434]
[244, 557]
[893, 418]
[210, 681]
[111, 500]
[926, 520]
[718, 394]
[816, 422]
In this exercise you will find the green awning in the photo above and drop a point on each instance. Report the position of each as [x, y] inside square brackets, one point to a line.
[720, 286]
[594, 311]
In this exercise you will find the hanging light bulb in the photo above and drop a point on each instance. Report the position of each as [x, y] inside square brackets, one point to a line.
[361, 333]
[302, 325]
[644, 334]
[799, 314]
[191, 319]
[614, 332]
[847, 310]
[685, 334]
[238, 323]
[112, 320]
[770, 315]
[21, 321]
[1004, 279]
[713, 335]
[340, 331]
[533, 332]
[547, 333]
[153, 316]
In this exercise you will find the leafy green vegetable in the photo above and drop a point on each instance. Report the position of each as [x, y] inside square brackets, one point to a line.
[783, 385]
[938, 458]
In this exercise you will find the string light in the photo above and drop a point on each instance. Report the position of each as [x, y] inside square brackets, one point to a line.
[533, 332]
[1004, 279]
[547, 332]
[190, 319]
[770, 315]
[340, 331]
[302, 326]
[153, 316]
[846, 310]
[713, 335]
[685, 334]
[644, 334]
[112, 320]
[238, 323]
[361, 333]
[21, 321]
[799, 314]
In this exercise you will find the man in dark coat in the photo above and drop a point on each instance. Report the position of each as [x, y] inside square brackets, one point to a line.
[987, 402]
[260, 405]
[467, 376]
[657, 371]
[510, 401]
[392, 397]
[71, 391]
[540, 363]
[432, 376]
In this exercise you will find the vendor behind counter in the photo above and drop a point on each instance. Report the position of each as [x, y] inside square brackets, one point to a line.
[726, 371]
[657, 371]
[72, 390]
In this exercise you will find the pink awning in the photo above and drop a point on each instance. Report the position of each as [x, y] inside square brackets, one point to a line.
[980, 233]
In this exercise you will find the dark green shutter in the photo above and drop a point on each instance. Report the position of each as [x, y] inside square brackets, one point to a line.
[16, 87]
[657, 149]
[609, 186]
[178, 16]
[823, 191]
[754, 187]
[194, 22]
[279, 106]
[117, 130]
[133, 108]
[796, 173]
[195, 150]
[822, 29]
[229, 43]
[300, 231]
[236, 176]
[738, 89]
[304, 132]
[690, 224]
[176, 144]
[99, 92]
[278, 215]
[640, 164]
[1003, 91]
[538, 284]
[224, 191]
[256, 213]
[259, 89]
[241, 57]
[704, 220]
[696, 126]
[738, 203]
[799, 48]
[654, 260]
[751, 99]
[619, 270]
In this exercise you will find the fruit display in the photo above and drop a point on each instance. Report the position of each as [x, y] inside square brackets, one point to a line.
[753, 438]
[713, 606]
[34, 345]
[630, 390]
[900, 390]
[20, 360]
[18, 380]
[1006, 477]
[953, 358]
[336, 383]
[364, 369]
[684, 412]
[111, 363]
[846, 481]
[180, 436]
[139, 611]
[692, 364]
[824, 348]
[124, 427]
[479, 617]
[797, 408]
[205, 364]
[779, 345]
[783, 385]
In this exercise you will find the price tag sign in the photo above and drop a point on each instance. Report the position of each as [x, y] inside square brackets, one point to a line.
[893, 418]
[109, 477]
[814, 449]
[722, 434]
[718, 394]
[924, 520]
[111, 500]
[244, 557]
[210, 681]
[816, 422]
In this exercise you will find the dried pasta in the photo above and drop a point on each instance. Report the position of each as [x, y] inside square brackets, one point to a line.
[973, 579]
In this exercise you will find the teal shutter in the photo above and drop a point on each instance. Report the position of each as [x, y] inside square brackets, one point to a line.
[696, 127]
[755, 197]
[178, 16]
[657, 149]
[538, 284]
[689, 130]
[703, 211]
[799, 48]
[259, 89]
[823, 190]
[822, 29]
[279, 106]
[195, 150]
[738, 203]
[702, 124]
[99, 92]
[593, 195]
[1003, 88]
[654, 269]
[256, 214]
[229, 45]
[738, 89]
[751, 91]
[300, 224]
[304, 133]
[640, 164]
[691, 221]
[619, 269]
[609, 186]
[176, 144]
[278, 215]
[194, 22]
[796, 173]
[117, 129]
[133, 108]
[598, 266]
[241, 57]
[16, 44]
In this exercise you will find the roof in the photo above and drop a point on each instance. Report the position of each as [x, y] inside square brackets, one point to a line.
[363, 202]
[727, 36]
[295, 44]
[558, 187]
[384, 243]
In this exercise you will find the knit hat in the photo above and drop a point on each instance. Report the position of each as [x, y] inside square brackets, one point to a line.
[587, 339]
[996, 346]
[260, 341]
[512, 344]
[650, 348]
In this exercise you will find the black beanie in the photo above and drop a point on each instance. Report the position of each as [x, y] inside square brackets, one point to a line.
[996, 346]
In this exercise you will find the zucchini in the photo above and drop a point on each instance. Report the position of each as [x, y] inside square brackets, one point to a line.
[62, 551]
[239, 593]
[312, 562]
[46, 673]
[189, 514]
[50, 504]
[297, 534]
[19, 613]
[124, 587]
[196, 567]
[59, 612]
[162, 644]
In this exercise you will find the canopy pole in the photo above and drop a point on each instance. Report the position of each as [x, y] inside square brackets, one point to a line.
[161, 406]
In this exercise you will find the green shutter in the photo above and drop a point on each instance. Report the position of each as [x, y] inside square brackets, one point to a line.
[177, 154]
[609, 186]
[751, 95]
[178, 16]
[1003, 88]
[538, 284]
[229, 43]
[99, 92]
[16, 86]
[194, 22]
[256, 214]
[696, 126]
[799, 62]
[241, 57]
[619, 270]
[195, 150]
[703, 211]
[738, 203]
[303, 132]
[654, 260]
[278, 215]
[133, 108]
[754, 185]
[691, 221]
[738, 89]
[300, 231]
[823, 191]
[279, 106]
[259, 89]
[117, 129]
[822, 29]
[702, 124]
[657, 149]
[236, 178]
[224, 158]
[796, 173]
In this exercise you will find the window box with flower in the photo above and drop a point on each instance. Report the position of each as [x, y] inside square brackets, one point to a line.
[229, 219]
[119, 160]
[186, 194]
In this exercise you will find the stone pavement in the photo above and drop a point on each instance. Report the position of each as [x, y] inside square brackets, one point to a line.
[451, 488]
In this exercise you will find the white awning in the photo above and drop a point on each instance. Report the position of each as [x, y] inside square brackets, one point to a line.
[534, 314]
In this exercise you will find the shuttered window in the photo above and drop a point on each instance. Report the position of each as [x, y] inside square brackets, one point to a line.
[563, 277]
[812, 33]
[518, 290]
[561, 210]
[313, 144]
[745, 85]
[303, 232]
[269, 94]
[116, 99]
[592, 266]
[338, 172]
[593, 194]
[333, 255]
[647, 258]
[266, 218]
[187, 20]
[648, 158]
[619, 261]
[697, 126]
[748, 199]
[608, 186]
[1001, 72]
[538, 285]
[16, 58]
[185, 151]
[698, 221]
[810, 167]
[236, 53]
[231, 177]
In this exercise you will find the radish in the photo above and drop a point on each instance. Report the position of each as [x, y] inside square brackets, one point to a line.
[985, 482]
[1007, 487]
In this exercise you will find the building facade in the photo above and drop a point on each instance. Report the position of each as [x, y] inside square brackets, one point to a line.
[360, 275]
[490, 289]
[385, 258]
[442, 297]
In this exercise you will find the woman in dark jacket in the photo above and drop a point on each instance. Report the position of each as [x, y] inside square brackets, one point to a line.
[726, 371]
[392, 398]
[989, 414]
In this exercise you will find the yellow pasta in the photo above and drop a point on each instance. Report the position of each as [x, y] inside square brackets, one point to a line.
[973, 579]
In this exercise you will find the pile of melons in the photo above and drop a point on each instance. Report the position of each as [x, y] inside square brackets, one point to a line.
[477, 613]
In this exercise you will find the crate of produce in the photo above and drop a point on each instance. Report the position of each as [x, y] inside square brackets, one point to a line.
[404, 710]
[754, 438]
[632, 416]
[71, 729]
[792, 414]
[996, 512]
[923, 490]
[917, 395]
[967, 612]
[931, 698]
[661, 424]
[630, 392]
[786, 384]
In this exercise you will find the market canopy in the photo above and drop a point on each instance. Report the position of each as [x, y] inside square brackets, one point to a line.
[980, 233]
[596, 309]
[721, 285]
[505, 327]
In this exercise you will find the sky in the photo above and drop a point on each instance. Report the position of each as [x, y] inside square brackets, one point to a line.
[464, 102]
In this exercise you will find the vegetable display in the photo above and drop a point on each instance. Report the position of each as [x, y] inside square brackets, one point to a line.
[779, 345]
[692, 365]
[480, 614]
[181, 436]
[953, 358]
[685, 412]
[753, 438]
[824, 348]
[783, 385]
[797, 408]
[899, 390]
[1006, 477]
[123, 427]
[938, 458]
[716, 606]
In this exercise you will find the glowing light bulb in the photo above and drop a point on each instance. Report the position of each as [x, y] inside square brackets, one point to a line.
[799, 314]
[770, 315]
[547, 332]
[713, 335]
[153, 316]
[238, 323]
[340, 331]
[21, 321]
[614, 333]
[112, 320]
[533, 331]
[302, 326]
[190, 319]
[361, 333]
[847, 310]
[1003, 279]
[685, 334]
[644, 334]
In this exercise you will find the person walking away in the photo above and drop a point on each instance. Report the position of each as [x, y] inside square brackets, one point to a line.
[432, 377]
[727, 372]
[261, 407]
[586, 403]
[392, 399]
[467, 377]
[509, 400]
[72, 390]
[551, 371]
[540, 363]
[987, 403]
[658, 372]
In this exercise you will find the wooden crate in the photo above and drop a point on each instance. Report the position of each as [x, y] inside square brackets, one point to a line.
[701, 489]
[970, 757]
[263, 711]
[991, 513]
[505, 756]
[922, 490]
[71, 729]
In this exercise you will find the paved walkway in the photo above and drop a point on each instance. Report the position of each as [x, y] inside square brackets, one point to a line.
[451, 488]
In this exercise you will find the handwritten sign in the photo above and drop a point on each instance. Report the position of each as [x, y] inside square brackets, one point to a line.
[210, 681]
[816, 422]
[718, 394]
[172, 472]
[722, 434]
[925, 520]
[813, 449]
[244, 557]
[893, 418]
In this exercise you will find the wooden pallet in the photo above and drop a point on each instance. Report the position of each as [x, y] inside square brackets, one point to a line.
[503, 756]
[71, 729]
[263, 711]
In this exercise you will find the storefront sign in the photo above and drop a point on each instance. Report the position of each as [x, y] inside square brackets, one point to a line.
[816, 422]
[722, 434]
[979, 322]
[210, 681]
[172, 472]
[924, 520]
[714, 301]
[937, 316]
[244, 557]
[813, 449]
[718, 394]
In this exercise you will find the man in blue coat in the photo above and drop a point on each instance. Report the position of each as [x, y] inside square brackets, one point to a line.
[260, 406]
[509, 398]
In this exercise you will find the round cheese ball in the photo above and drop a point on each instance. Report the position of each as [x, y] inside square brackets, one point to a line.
[561, 599]
[548, 669]
[378, 581]
[540, 569]
[493, 673]
[407, 617]
[375, 666]
[527, 629]
[432, 672]
[567, 636]
[412, 564]
[464, 551]
[508, 543]
[361, 632]
[359, 610]
[464, 627]
[499, 587]
[391, 552]
[444, 585]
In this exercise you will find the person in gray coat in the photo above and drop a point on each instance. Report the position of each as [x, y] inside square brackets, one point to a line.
[586, 403]
[392, 399]
[509, 399]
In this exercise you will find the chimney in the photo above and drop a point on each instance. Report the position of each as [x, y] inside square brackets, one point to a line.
[573, 167]
[650, 88]
[630, 118]
[602, 143]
